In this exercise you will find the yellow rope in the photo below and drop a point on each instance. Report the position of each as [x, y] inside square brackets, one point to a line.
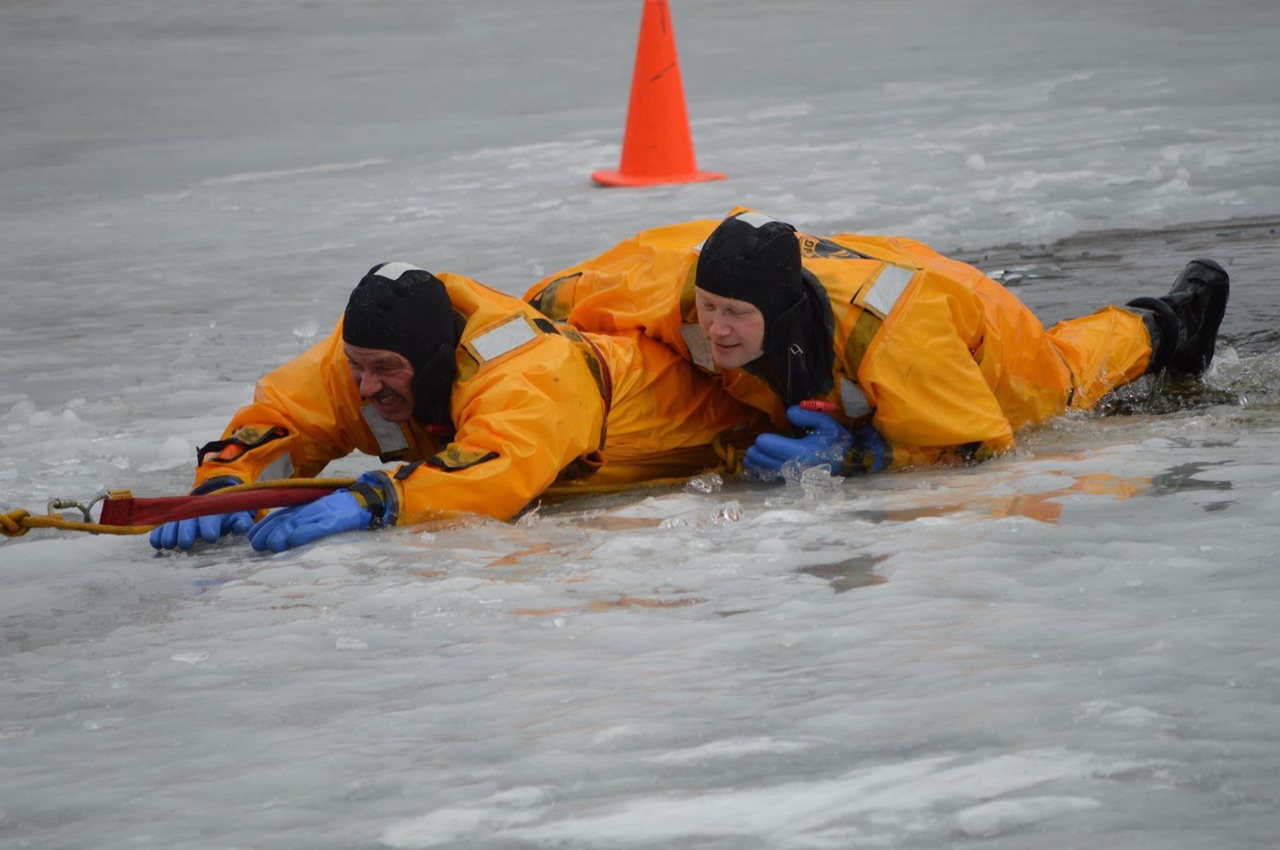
[729, 454]
[291, 483]
[18, 522]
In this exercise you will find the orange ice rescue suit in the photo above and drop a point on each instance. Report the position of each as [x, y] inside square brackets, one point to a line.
[533, 403]
[941, 360]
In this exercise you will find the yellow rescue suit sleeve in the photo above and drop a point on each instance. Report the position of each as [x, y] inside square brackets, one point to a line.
[958, 368]
[522, 418]
[642, 284]
[304, 414]
[920, 374]
[523, 415]
[666, 413]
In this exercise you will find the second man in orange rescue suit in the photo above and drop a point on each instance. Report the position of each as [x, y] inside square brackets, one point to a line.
[484, 401]
[880, 350]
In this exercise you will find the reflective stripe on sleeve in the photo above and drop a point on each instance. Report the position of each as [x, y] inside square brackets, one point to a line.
[278, 470]
[502, 339]
[888, 288]
[853, 400]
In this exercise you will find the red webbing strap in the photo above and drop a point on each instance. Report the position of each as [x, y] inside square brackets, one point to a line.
[161, 509]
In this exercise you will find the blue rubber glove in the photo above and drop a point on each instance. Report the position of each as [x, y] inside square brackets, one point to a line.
[870, 452]
[826, 443]
[341, 510]
[185, 533]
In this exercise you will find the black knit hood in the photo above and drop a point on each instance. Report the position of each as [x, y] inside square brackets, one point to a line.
[757, 260]
[401, 308]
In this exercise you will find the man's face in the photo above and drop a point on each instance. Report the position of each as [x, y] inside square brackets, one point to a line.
[385, 378]
[734, 328]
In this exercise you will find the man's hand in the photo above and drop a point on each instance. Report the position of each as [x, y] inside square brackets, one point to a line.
[342, 510]
[826, 443]
[184, 533]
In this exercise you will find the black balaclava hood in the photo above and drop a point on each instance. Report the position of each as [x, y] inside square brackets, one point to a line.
[402, 308]
[755, 259]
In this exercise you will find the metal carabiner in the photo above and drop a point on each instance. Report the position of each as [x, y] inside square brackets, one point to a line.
[70, 504]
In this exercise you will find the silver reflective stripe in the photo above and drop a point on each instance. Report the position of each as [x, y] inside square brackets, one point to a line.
[755, 219]
[699, 348]
[392, 271]
[278, 469]
[853, 399]
[389, 435]
[507, 336]
[888, 288]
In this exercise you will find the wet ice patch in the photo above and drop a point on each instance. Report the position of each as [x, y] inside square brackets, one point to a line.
[500, 812]
[1129, 717]
[728, 750]
[875, 802]
[991, 819]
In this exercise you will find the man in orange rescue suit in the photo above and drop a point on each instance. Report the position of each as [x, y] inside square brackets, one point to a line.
[486, 401]
[874, 351]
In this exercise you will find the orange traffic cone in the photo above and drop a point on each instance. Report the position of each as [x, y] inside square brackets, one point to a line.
[657, 147]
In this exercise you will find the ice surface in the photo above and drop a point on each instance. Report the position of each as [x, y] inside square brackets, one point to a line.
[1073, 645]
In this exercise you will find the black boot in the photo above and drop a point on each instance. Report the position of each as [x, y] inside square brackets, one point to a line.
[1184, 324]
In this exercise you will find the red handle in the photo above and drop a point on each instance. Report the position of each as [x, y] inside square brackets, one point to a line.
[153, 511]
[819, 405]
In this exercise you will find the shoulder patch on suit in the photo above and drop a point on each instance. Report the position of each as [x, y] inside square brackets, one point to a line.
[888, 288]
[456, 458]
[501, 339]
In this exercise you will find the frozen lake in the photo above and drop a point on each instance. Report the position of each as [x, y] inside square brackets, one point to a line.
[1071, 646]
